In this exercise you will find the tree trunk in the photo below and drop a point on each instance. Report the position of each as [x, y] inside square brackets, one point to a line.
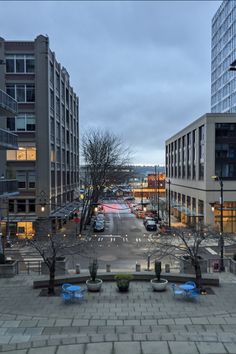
[51, 285]
[198, 273]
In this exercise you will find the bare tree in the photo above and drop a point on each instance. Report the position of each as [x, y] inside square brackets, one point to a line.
[182, 242]
[104, 155]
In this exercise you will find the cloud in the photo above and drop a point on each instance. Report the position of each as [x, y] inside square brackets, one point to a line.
[141, 69]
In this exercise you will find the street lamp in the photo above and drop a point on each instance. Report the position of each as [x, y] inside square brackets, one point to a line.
[169, 216]
[219, 179]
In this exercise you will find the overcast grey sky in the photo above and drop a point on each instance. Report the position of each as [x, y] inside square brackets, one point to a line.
[141, 69]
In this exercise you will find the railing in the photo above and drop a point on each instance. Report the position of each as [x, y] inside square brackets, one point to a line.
[8, 140]
[8, 186]
[8, 105]
[29, 267]
[213, 265]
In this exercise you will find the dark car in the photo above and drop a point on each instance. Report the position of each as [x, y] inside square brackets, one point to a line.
[146, 219]
[151, 225]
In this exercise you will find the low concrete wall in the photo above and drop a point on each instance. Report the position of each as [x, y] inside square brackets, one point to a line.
[8, 270]
[207, 279]
[60, 267]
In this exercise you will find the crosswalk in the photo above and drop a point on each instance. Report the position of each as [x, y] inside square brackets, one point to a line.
[30, 260]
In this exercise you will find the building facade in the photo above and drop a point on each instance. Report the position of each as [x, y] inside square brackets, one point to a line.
[205, 148]
[223, 54]
[46, 163]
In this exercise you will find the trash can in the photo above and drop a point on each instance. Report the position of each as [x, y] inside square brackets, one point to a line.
[138, 267]
[108, 268]
[77, 268]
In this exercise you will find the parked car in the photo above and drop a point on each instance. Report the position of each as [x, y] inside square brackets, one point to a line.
[99, 226]
[151, 225]
[147, 218]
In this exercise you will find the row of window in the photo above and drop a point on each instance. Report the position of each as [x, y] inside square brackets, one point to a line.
[22, 205]
[22, 93]
[23, 154]
[24, 122]
[26, 179]
[19, 63]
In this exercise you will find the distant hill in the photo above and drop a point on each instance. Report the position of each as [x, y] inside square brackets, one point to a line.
[145, 170]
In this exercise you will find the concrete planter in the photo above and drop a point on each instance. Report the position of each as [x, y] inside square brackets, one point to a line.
[94, 285]
[187, 268]
[159, 285]
[8, 269]
[60, 266]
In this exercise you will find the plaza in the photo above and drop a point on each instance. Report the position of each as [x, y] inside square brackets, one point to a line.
[109, 322]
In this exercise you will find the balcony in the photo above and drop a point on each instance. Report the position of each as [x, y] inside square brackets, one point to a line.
[8, 105]
[8, 187]
[8, 140]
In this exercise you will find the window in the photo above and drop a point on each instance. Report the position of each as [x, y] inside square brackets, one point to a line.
[24, 153]
[23, 93]
[21, 178]
[31, 205]
[23, 122]
[31, 179]
[21, 205]
[20, 63]
[11, 205]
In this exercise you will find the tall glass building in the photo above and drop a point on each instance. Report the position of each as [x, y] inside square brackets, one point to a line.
[223, 53]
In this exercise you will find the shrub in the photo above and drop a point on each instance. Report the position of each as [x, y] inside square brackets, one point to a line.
[122, 276]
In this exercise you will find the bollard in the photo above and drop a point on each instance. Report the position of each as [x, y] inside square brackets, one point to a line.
[167, 268]
[148, 262]
[77, 268]
[108, 268]
[138, 267]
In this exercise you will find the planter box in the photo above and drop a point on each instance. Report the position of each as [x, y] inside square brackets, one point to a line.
[187, 268]
[9, 269]
[60, 267]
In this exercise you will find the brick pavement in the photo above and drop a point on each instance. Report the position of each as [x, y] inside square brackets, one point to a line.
[140, 322]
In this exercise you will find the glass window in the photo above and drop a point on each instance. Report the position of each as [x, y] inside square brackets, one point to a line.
[30, 96]
[31, 179]
[11, 90]
[10, 64]
[11, 205]
[20, 64]
[20, 123]
[30, 123]
[11, 124]
[11, 155]
[31, 153]
[31, 205]
[20, 93]
[29, 64]
[21, 178]
[21, 154]
[21, 205]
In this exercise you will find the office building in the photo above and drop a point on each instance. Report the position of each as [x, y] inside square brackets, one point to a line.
[205, 148]
[223, 54]
[46, 163]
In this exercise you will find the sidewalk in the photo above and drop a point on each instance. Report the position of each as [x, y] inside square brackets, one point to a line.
[138, 322]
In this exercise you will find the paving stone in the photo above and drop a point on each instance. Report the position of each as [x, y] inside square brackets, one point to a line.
[148, 322]
[131, 348]
[69, 340]
[167, 336]
[153, 336]
[142, 329]
[97, 338]
[17, 351]
[14, 330]
[5, 339]
[24, 345]
[124, 329]
[199, 320]
[63, 322]
[155, 347]
[139, 336]
[231, 347]
[115, 322]
[28, 323]
[125, 337]
[52, 330]
[70, 330]
[82, 339]
[106, 329]
[46, 323]
[230, 320]
[42, 350]
[7, 347]
[217, 320]
[166, 321]
[132, 323]
[184, 321]
[19, 338]
[80, 322]
[11, 323]
[88, 329]
[54, 341]
[111, 337]
[183, 348]
[97, 322]
[211, 347]
[96, 348]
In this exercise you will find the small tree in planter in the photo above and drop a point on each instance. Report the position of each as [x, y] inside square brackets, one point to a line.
[122, 281]
[157, 283]
[94, 283]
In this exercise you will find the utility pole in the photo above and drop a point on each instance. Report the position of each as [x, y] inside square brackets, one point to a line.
[142, 194]
[158, 194]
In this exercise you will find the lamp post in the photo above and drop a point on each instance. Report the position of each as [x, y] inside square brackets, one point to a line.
[142, 194]
[219, 179]
[169, 216]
